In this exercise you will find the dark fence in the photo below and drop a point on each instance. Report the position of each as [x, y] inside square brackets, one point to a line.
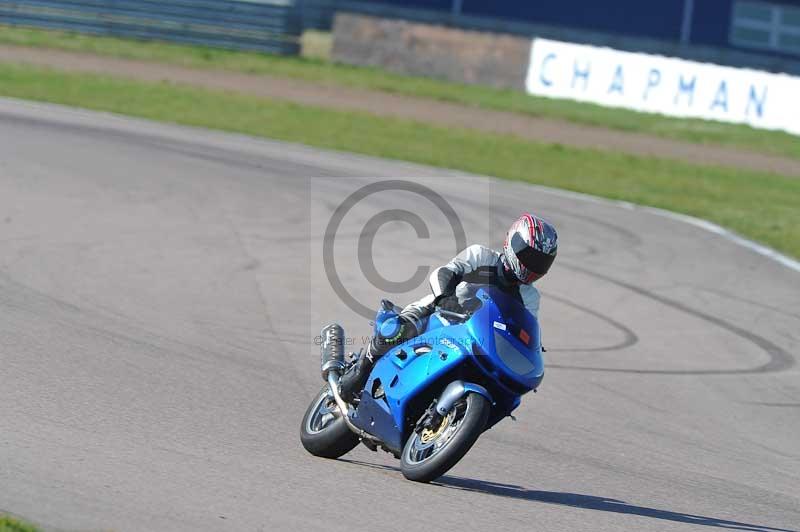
[318, 13]
[658, 20]
[267, 26]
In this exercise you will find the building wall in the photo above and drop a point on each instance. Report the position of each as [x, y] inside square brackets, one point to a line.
[659, 20]
[711, 22]
[619, 24]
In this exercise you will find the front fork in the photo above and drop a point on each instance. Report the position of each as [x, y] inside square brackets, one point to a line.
[453, 392]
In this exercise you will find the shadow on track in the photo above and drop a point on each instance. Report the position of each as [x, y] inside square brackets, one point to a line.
[575, 500]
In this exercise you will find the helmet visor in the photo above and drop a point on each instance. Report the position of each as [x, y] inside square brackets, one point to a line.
[535, 261]
[532, 259]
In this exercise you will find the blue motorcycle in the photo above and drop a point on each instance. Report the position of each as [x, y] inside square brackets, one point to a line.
[427, 400]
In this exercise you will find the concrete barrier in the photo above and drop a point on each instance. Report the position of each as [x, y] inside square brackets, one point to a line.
[474, 57]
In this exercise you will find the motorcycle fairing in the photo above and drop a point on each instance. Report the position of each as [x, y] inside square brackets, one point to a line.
[501, 335]
[401, 374]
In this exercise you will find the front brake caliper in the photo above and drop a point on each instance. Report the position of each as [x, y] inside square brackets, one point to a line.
[432, 432]
[430, 422]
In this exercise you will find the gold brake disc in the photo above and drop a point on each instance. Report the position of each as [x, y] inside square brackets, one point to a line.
[428, 435]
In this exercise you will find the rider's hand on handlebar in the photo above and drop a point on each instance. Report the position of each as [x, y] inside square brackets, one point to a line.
[451, 304]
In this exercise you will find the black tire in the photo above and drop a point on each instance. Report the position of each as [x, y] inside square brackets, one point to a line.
[328, 440]
[464, 437]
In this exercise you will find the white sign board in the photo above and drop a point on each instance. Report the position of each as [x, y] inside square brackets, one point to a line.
[669, 86]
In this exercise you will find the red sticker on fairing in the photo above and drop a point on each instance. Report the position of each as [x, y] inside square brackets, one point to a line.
[524, 336]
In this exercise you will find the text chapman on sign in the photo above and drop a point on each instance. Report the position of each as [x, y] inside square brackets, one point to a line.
[665, 85]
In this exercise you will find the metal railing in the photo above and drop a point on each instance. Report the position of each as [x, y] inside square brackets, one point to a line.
[268, 26]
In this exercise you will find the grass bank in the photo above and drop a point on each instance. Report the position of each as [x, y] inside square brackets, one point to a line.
[757, 205]
[10, 524]
[324, 72]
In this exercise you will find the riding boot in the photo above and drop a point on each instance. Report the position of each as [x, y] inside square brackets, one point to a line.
[353, 381]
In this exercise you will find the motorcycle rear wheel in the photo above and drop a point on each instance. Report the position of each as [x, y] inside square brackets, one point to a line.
[323, 432]
[429, 454]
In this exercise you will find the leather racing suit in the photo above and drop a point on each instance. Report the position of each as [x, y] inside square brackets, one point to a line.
[477, 265]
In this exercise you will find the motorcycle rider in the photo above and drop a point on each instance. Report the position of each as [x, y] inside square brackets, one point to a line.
[528, 252]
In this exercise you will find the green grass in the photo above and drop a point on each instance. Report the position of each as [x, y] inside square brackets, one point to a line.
[9, 524]
[758, 205]
[324, 72]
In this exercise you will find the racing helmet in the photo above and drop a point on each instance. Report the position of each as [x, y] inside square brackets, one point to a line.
[530, 248]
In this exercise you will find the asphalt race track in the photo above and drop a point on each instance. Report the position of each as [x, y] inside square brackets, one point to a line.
[160, 288]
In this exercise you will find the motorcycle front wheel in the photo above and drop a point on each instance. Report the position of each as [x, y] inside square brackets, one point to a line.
[323, 432]
[430, 453]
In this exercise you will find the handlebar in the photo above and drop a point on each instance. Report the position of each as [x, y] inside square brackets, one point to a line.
[452, 314]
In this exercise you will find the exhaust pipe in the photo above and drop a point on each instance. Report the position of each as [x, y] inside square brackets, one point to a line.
[332, 350]
[332, 358]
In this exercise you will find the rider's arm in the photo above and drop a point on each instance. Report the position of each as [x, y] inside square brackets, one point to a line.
[444, 279]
